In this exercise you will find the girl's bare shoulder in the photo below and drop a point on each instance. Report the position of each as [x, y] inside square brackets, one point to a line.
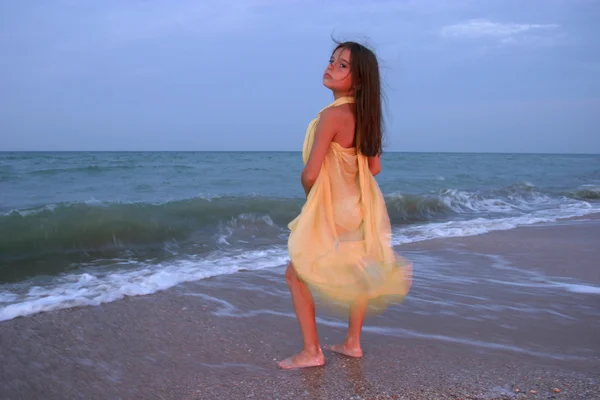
[341, 114]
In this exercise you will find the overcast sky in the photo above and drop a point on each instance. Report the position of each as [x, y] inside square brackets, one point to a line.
[460, 75]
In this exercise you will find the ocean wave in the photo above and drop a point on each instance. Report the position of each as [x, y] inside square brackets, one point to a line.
[519, 197]
[94, 226]
[412, 208]
[586, 192]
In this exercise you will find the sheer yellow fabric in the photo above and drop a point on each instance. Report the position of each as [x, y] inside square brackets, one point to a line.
[340, 244]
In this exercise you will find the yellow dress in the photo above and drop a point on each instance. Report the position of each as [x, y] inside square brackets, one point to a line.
[340, 244]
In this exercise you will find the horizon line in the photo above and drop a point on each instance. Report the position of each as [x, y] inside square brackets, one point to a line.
[294, 151]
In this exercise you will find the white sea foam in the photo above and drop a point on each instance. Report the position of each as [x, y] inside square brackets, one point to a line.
[574, 288]
[94, 288]
[479, 226]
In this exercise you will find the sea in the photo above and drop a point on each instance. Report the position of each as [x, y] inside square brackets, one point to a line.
[85, 228]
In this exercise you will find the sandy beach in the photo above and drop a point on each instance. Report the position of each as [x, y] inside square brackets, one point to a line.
[510, 314]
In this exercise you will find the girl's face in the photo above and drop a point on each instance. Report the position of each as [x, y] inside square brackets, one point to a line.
[337, 76]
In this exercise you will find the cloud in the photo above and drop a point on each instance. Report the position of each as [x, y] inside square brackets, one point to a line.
[489, 35]
[481, 28]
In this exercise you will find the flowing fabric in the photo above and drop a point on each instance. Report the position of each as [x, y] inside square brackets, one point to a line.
[340, 244]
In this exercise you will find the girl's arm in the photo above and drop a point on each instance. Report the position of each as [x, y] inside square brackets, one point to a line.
[375, 165]
[327, 128]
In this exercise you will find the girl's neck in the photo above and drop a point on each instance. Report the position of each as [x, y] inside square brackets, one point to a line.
[339, 95]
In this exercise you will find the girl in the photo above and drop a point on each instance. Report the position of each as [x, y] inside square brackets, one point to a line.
[339, 245]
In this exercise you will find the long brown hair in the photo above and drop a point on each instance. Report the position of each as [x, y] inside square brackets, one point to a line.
[364, 68]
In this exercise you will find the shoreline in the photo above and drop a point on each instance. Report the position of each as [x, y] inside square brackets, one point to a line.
[487, 315]
[38, 303]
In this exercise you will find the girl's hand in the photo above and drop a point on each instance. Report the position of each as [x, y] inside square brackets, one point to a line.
[375, 165]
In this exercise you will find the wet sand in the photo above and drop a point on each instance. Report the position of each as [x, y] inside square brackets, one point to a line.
[487, 316]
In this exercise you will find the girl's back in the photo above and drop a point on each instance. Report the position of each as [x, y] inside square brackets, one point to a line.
[345, 125]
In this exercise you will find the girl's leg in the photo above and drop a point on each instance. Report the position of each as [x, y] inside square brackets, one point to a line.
[304, 306]
[351, 346]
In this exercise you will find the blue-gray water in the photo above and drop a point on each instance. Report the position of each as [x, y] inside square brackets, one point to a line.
[85, 228]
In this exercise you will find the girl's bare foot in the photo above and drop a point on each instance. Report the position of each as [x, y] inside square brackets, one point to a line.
[303, 359]
[350, 351]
